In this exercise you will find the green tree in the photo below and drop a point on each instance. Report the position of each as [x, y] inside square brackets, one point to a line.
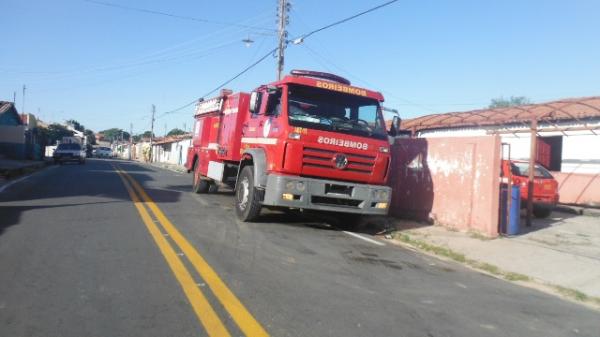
[146, 135]
[90, 136]
[56, 132]
[76, 125]
[176, 132]
[115, 134]
[502, 102]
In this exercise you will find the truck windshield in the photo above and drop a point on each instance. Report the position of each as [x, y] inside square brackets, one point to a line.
[322, 109]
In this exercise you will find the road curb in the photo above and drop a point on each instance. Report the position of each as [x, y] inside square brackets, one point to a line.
[10, 173]
[444, 253]
[7, 176]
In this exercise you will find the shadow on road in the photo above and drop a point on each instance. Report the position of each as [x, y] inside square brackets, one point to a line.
[88, 185]
[11, 215]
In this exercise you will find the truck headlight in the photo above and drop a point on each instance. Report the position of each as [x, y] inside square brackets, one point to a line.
[381, 205]
[380, 194]
[300, 186]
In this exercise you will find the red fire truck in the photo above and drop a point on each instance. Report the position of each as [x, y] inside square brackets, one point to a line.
[310, 141]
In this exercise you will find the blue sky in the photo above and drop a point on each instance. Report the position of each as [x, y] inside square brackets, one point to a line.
[106, 66]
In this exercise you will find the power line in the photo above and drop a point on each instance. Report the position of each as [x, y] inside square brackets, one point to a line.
[318, 56]
[304, 36]
[222, 84]
[175, 16]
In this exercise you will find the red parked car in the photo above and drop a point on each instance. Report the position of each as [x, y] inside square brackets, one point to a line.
[545, 187]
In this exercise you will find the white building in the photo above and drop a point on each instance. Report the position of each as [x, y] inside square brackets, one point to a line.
[568, 131]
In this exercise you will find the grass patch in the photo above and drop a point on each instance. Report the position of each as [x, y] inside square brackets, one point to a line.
[437, 250]
[490, 268]
[516, 277]
[572, 293]
[479, 236]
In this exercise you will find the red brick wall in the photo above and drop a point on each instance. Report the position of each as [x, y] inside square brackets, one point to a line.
[452, 181]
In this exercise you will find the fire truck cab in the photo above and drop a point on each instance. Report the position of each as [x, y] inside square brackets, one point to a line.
[309, 141]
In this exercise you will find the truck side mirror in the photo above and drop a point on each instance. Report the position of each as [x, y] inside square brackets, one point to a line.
[395, 128]
[254, 101]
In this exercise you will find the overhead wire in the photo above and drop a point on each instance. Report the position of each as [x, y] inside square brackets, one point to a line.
[339, 22]
[220, 85]
[176, 16]
[180, 50]
[303, 36]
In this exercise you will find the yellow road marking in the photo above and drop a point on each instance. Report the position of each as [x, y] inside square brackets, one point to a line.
[205, 313]
[242, 317]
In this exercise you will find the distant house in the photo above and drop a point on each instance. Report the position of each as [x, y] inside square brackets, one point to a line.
[171, 149]
[12, 132]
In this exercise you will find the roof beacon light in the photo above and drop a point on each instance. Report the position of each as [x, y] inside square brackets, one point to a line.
[319, 74]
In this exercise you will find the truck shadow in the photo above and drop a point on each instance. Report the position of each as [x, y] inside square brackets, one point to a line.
[372, 225]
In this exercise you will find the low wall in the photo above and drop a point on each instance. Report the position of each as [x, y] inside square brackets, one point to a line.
[578, 188]
[12, 141]
[453, 181]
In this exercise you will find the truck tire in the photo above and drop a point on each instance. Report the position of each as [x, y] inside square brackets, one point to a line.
[199, 185]
[541, 213]
[213, 187]
[247, 200]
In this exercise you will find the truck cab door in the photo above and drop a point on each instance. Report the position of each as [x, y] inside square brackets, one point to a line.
[254, 122]
[262, 125]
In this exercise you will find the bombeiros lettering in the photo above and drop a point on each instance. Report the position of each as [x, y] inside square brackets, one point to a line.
[342, 143]
[341, 88]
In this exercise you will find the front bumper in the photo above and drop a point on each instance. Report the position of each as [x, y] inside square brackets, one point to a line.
[326, 195]
[67, 157]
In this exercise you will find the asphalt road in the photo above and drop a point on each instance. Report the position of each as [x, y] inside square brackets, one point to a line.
[78, 257]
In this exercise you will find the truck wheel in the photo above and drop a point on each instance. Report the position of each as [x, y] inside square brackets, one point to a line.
[542, 213]
[213, 187]
[199, 185]
[247, 201]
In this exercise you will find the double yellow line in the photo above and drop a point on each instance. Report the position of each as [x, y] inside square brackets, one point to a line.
[202, 308]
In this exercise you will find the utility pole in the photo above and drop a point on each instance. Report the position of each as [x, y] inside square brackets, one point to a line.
[152, 130]
[14, 97]
[130, 139]
[23, 106]
[532, 157]
[282, 13]
[165, 129]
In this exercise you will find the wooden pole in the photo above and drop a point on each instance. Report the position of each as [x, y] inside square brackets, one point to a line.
[530, 184]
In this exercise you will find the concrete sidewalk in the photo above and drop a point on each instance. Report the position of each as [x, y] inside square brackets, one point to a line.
[562, 252]
[169, 166]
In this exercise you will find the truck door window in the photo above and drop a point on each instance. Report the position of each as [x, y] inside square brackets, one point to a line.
[258, 105]
[368, 113]
[274, 105]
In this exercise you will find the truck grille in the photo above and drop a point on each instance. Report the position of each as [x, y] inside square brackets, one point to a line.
[320, 158]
